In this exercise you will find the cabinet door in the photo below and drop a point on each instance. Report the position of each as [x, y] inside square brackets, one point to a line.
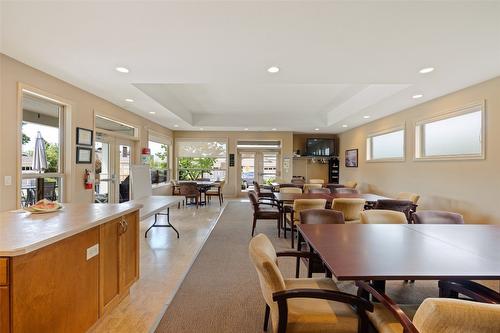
[4, 310]
[109, 263]
[129, 250]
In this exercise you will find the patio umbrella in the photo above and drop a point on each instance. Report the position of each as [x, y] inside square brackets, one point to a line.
[39, 163]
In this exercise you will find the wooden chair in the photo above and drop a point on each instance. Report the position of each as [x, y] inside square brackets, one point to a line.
[380, 216]
[351, 184]
[433, 315]
[296, 190]
[437, 217]
[320, 190]
[216, 191]
[261, 193]
[413, 197]
[308, 187]
[264, 210]
[298, 206]
[190, 191]
[350, 207]
[316, 181]
[316, 216]
[405, 206]
[347, 190]
[469, 289]
[304, 305]
[176, 190]
[298, 180]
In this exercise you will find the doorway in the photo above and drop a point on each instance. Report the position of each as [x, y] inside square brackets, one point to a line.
[259, 166]
[113, 158]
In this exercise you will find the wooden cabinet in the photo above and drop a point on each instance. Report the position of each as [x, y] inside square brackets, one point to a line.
[4, 296]
[119, 258]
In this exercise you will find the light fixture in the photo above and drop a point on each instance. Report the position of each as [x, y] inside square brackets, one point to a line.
[344, 126]
[122, 69]
[201, 128]
[316, 129]
[130, 100]
[152, 112]
[176, 125]
[273, 69]
[273, 129]
[417, 96]
[246, 129]
[426, 70]
[366, 117]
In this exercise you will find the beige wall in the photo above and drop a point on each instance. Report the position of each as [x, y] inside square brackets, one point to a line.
[470, 187]
[233, 185]
[83, 105]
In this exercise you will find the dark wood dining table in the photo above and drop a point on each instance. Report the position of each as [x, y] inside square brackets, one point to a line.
[407, 252]
[291, 197]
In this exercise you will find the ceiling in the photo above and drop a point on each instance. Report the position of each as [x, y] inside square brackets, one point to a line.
[203, 64]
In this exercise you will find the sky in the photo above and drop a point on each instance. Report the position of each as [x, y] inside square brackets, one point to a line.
[50, 134]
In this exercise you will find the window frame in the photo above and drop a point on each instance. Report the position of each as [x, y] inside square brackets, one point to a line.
[369, 145]
[222, 140]
[478, 106]
[163, 140]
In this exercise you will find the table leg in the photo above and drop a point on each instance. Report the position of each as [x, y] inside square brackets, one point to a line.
[167, 225]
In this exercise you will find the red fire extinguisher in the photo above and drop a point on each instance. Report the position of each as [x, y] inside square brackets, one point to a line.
[87, 181]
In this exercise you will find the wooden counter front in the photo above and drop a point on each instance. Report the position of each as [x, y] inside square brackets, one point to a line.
[62, 287]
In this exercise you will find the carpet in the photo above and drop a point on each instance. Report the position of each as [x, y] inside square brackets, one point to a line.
[221, 292]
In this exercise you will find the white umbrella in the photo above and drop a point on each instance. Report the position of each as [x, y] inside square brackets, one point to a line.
[39, 163]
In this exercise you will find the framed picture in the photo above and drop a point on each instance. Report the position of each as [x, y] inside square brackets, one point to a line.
[84, 136]
[83, 155]
[351, 158]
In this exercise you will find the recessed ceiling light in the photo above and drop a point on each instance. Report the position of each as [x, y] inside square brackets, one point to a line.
[344, 125]
[122, 69]
[246, 129]
[130, 100]
[426, 70]
[176, 125]
[417, 96]
[273, 69]
[273, 129]
[316, 129]
[152, 112]
[366, 117]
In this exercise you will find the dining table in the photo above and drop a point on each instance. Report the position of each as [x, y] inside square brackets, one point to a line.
[370, 198]
[406, 252]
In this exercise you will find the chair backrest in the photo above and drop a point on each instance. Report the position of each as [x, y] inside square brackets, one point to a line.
[379, 216]
[351, 184]
[203, 179]
[453, 315]
[321, 216]
[346, 190]
[188, 188]
[397, 205]
[351, 207]
[254, 200]
[302, 204]
[263, 256]
[316, 181]
[413, 197]
[320, 190]
[307, 187]
[297, 190]
[256, 187]
[298, 181]
[437, 217]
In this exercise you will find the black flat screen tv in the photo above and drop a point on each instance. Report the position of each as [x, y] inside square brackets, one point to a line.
[320, 147]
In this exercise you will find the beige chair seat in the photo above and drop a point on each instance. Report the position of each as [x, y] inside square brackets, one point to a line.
[385, 322]
[353, 222]
[315, 315]
[216, 192]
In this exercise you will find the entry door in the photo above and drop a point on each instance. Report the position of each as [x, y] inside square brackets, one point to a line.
[112, 169]
[259, 166]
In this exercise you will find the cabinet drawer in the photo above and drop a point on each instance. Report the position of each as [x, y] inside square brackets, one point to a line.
[4, 271]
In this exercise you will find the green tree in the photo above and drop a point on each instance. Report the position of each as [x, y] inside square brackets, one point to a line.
[191, 168]
[52, 153]
[162, 162]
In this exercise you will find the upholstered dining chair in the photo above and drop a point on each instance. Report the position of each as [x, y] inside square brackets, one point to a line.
[381, 216]
[308, 187]
[413, 197]
[351, 184]
[316, 181]
[190, 191]
[350, 207]
[295, 190]
[264, 210]
[304, 305]
[298, 206]
[316, 216]
[323, 190]
[405, 206]
[437, 217]
[262, 193]
[347, 190]
[434, 315]
[216, 191]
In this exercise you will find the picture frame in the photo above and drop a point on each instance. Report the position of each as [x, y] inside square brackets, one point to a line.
[351, 158]
[84, 137]
[83, 155]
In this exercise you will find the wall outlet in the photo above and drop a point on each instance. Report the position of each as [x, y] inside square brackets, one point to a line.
[92, 251]
[7, 180]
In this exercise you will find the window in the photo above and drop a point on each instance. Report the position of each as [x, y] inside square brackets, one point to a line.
[113, 127]
[201, 159]
[42, 168]
[159, 159]
[456, 135]
[386, 146]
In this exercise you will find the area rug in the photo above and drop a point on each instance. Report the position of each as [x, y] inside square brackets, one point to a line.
[221, 292]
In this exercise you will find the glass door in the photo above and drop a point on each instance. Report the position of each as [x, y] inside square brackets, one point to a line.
[259, 166]
[125, 160]
[247, 162]
[269, 167]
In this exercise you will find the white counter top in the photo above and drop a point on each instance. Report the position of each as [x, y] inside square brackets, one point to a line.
[21, 233]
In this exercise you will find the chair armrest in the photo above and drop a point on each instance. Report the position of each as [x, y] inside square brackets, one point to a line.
[471, 289]
[390, 305]
[270, 201]
[297, 254]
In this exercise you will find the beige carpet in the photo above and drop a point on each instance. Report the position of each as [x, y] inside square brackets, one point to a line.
[221, 292]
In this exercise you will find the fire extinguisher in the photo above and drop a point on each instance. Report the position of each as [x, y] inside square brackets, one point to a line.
[87, 181]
